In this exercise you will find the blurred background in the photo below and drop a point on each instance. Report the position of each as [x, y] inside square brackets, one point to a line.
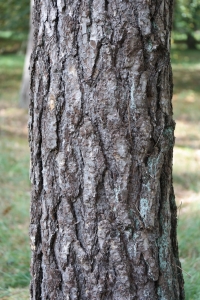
[14, 151]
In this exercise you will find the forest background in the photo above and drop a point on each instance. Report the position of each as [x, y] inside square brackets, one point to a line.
[14, 151]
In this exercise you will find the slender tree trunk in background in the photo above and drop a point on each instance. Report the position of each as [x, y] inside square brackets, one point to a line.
[24, 99]
[191, 42]
[103, 212]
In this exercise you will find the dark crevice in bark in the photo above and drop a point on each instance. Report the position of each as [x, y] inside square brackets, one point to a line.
[36, 293]
[39, 154]
[106, 5]
[78, 231]
[56, 27]
[102, 205]
[76, 28]
[95, 69]
[81, 85]
[80, 282]
[89, 25]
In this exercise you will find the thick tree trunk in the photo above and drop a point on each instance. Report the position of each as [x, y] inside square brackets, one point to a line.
[103, 213]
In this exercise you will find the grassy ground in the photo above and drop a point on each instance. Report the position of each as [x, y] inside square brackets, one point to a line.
[186, 69]
[14, 165]
[14, 184]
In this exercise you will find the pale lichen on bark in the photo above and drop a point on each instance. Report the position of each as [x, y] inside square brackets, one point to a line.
[103, 216]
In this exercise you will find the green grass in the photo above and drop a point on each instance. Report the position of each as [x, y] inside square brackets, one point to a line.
[10, 78]
[15, 294]
[14, 183]
[14, 202]
[186, 69]
[15, 187]
[186, 168]
[185, 58]
[189, 246]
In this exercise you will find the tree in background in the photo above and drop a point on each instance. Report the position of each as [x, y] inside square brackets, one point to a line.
[14, 26]
[103, 212]
[24, 98]
[187, 20]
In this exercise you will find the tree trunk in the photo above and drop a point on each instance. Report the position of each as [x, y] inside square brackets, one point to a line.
[103, 212]
[191, 42]
[24, 99]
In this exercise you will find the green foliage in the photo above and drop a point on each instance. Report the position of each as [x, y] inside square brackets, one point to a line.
[187, 21]
[186, 16]
[14, 18]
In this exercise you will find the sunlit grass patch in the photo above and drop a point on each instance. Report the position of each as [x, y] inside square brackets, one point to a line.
[188, 135]
[12, 62]
[13, 121]
[187, 168]
[10, 78]
[186, 70]
[14, 294]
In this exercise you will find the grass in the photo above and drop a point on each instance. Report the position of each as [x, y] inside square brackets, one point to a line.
[14, 182]
[186, 68]
[14, 208]
[189, 245]
[15, 188]
[10, 77]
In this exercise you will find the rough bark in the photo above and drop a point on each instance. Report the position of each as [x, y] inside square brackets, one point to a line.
[103, 212]
[24, 98]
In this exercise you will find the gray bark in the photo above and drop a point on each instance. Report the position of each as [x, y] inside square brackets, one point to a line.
[103, 212]
[24, 98]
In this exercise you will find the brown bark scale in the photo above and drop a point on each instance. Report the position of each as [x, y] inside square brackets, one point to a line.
[103, 212]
